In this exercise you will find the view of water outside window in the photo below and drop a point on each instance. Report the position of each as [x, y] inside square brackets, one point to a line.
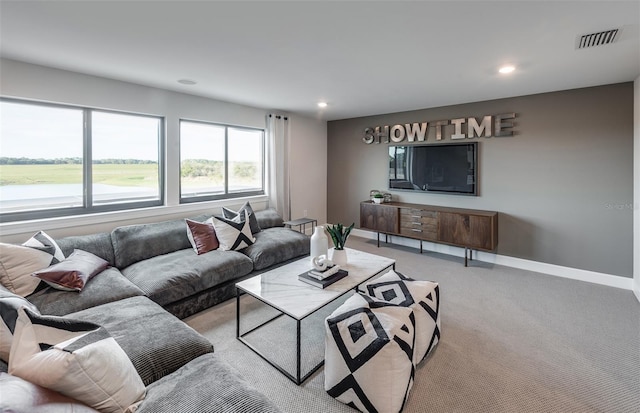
[202, 159]
[40, 157]
[125, 158]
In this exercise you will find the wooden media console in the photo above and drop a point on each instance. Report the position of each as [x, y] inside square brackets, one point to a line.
[468, 228]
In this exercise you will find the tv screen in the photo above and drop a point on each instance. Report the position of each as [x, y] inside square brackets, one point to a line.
[445, 168]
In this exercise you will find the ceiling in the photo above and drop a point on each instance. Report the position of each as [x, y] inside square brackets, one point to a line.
[361, 57]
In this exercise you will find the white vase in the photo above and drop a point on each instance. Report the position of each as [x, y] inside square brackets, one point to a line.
[339, 257]
[319, 243]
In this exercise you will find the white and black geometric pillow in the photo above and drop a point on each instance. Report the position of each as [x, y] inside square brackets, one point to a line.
[9, 305]
[78, 359]
[233, 234]
[44, 242]
[253, 222]
[369, 354]
[423, 297]
[18, 262]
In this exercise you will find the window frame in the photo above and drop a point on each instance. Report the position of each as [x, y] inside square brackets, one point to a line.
[226, 194]
[87, 162]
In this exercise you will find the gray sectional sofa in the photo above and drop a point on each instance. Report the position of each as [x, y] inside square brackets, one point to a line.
[155, 279]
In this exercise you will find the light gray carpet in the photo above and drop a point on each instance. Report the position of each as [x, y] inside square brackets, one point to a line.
[512, 341]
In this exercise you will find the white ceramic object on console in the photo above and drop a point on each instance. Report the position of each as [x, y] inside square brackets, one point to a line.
[339, 257]
[319, 243]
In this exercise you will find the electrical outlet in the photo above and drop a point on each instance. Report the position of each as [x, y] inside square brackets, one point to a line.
[304, 213]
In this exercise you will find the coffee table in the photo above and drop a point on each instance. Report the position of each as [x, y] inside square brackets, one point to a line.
[281, 289]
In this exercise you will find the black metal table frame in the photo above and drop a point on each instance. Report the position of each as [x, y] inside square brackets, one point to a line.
[296, 379]
[468, 256]
[301, 223]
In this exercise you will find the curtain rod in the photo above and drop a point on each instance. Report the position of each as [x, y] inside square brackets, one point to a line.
[279, 117]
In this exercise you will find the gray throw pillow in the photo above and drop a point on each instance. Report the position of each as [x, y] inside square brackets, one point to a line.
[253, 222]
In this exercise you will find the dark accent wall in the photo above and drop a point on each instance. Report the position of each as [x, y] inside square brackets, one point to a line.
[563, 185]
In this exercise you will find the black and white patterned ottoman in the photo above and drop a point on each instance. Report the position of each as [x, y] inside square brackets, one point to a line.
[423, 297]
[369, 354]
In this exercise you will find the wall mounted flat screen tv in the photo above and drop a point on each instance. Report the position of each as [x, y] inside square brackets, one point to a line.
[438, 168]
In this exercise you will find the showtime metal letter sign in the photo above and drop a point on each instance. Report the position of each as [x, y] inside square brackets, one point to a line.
[463, 128]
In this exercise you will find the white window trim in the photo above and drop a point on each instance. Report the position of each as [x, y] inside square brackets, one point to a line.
[113, 217]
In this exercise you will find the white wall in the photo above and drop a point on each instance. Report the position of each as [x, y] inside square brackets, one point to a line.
[27, 81]
[308, 169]
[636, 188]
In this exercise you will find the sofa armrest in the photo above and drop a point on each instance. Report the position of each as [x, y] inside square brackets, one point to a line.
[268, 218]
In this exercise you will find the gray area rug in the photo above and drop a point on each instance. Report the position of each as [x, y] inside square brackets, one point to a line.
[512, 341]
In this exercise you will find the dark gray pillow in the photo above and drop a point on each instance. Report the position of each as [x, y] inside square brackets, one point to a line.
[253, 222]
[269, 218]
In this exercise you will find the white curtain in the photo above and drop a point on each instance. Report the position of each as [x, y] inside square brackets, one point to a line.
[278, 150]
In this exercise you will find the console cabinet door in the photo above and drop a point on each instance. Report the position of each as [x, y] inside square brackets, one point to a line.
[472, 231]
[379, 218]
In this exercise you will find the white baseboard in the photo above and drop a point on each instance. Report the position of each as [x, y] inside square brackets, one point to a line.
[541, 267]
[636, 289]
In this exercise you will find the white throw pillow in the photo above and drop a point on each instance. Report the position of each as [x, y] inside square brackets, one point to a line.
[18, 262]
[233, 234]
[78, 359]
[10, 303]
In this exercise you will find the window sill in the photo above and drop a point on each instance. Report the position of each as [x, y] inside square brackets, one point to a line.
[18, 227]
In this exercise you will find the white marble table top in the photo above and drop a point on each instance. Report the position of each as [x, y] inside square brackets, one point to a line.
[281, 288]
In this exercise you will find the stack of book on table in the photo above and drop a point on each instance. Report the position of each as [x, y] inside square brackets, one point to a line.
[322, 279]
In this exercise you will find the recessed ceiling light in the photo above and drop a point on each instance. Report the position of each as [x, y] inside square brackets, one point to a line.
[322, 104]
[506, 69]
[187, 82]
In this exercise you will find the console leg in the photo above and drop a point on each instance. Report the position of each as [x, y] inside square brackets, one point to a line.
[465, 256]
[420, 246]
[378, 239]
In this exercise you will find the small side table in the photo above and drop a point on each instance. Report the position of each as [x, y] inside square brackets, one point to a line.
[301, 223]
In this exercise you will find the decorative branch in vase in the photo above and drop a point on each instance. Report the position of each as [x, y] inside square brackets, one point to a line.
[339, 234]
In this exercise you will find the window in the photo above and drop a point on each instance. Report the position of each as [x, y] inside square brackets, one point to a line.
[220, 161]
[125, 151]
[58, 160]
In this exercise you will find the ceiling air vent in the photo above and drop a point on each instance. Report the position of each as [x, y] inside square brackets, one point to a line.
[597, 39]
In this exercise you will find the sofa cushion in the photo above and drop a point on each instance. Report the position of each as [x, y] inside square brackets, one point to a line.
[18, 262]
[134, 243]
[202, 236]
[156, 342]
[42, 241]
[205, 385]
[10, 303]
[73, 273]
[253, 222]
[107, 286]
[180, 274]
[98, 244]
[268, 218]
[234, 234]
[76, 358]
[276, 245]
[19, 395]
